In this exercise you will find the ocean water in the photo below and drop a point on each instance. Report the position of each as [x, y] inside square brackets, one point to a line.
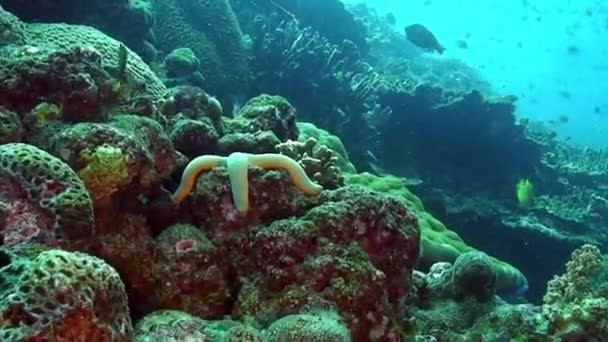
[553, 55]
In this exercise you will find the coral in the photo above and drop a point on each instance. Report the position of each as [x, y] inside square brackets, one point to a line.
[353, 252]
[317, 326]
[73, 80]
[438, 243]
[105, 172]
[11, 129]
[335, 88]
[63, 37]
[41, 198]
[126, 155]
[63, 296]
[169, 325]
[266, 113]
[126, 20]
[181, 62]
[212, 31]
[309, 130]
[318, 161]
[196, 277]
[473, 275]
[12, 30]
[237, 165]
[574, 303]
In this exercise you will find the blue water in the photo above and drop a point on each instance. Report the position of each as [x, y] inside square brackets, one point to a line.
[522, 48]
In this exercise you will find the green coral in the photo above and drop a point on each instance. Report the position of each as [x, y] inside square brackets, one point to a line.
[181, 62]
[437, 241]
[106, 170]
[11, 129]
[43, 113]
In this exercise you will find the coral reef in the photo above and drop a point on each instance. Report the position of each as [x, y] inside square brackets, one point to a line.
[336, 88]
[280, 238]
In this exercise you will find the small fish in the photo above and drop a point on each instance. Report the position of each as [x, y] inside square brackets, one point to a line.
[462, 44]
[422, 37]
[573, 50]
[561, 119]
[565, 94]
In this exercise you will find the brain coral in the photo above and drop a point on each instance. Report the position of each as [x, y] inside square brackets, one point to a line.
[62, 296]
[41, 198]
[11, 29]
[211, 30]
[63, 37]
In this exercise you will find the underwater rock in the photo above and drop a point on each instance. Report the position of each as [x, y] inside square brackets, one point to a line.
[353, 252]
[194, 103]
[422, 37]
[438, 242]
[197, 278]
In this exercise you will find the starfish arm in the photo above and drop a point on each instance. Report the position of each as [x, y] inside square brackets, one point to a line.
[238, 165]
[193, 169]
[295, 171]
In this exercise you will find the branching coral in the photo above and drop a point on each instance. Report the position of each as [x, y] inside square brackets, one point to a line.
[575, 304]
[318, 161]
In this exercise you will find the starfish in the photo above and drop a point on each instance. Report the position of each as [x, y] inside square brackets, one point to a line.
[237, 164]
